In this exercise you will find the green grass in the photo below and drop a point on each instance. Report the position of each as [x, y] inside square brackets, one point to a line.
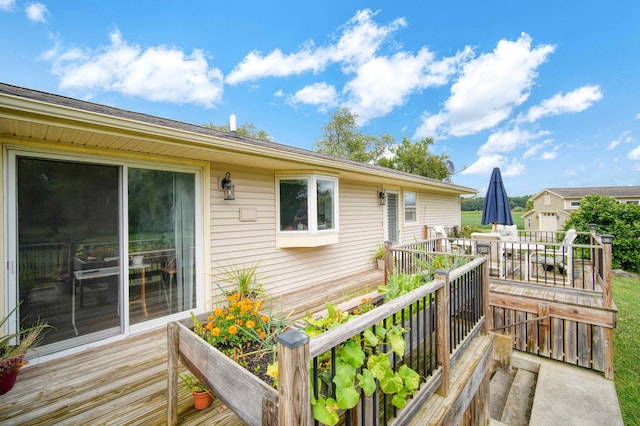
[626, 348]
[474, 219]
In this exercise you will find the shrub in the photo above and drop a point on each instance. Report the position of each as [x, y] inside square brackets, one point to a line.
[621, 220]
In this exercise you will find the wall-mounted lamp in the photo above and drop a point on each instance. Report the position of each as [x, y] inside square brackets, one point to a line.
[382, 197]
[228, 187]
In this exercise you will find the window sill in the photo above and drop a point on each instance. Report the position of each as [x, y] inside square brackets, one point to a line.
[305, 239]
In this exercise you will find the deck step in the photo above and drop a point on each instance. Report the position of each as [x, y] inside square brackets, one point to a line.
[499, 391]
[512, 390]
[517, 408]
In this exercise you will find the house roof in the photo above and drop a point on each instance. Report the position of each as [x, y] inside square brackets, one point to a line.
[607, 191]
[35, 115]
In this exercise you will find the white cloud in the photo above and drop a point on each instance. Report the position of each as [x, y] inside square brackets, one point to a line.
[484, 165]
[575, 101]
[535, 148]
[507, 141]
[385, 83]
[360, 40]
[380, 84]
[36, 12]
[488, 90]
[550, 155]
[634, 154]
[321, 94]
[158, 73]
[625, 137]
[7, 5]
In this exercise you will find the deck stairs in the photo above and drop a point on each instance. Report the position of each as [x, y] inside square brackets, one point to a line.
[512, 391]
[535, 391]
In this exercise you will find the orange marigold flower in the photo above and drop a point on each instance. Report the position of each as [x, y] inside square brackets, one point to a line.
[233, 329]
[215, 332]
[264, 318]
[262, 334]
[209, 326]
[251, 324]
[230, 317]
[355, 312]
[218, 312]
[210, 318]
[240, 322]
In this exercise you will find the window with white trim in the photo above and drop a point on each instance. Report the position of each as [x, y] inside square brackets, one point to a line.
[307, 204]
[410, 206]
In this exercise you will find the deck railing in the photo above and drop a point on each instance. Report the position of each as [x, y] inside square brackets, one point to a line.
[554, 301]
[439, 317]
[536, 257]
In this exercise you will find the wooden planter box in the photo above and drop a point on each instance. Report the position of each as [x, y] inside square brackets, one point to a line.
[245, 394]
[257, 403]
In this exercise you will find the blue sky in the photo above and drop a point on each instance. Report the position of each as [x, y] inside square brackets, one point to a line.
[548, 90]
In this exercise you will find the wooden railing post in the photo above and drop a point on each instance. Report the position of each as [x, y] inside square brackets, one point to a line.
[388, 267]
[294, 403]
[444, 330]
[173, 355]
[607, 272]
[607, 301]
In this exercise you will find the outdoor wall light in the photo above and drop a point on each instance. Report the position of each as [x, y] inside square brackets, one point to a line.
[593, 226]
[228, 187]
[382, 197]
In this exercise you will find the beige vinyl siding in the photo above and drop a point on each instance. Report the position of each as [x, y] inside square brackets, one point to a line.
[438, 209]
[432, 209]
[284, 270]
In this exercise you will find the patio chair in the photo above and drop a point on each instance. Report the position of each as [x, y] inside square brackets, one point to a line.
[560, 259]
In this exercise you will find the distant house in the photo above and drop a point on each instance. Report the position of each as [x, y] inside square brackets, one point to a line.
[552, 206]
[86, 185]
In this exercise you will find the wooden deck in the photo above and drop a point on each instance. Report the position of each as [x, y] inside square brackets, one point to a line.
[125, 382]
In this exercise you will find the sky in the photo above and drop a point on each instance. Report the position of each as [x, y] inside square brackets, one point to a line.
[548, 91]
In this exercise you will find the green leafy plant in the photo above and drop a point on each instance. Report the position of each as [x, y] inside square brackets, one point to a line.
[361, 364]
[244, 280]
[379, 252]
[231, 326]
[13, 346]
[400, 284]
[193, 384]
[242, 331]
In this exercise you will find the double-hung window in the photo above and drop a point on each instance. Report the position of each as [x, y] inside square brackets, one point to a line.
[307, 207]
[410, 206]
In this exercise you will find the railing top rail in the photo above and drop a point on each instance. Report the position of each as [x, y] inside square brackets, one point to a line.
[458, 272]
[333, 337]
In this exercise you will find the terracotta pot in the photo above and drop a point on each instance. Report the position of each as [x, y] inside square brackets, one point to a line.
[201, 400]
[7, 381]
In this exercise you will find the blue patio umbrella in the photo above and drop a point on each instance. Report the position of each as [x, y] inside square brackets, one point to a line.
[496, 207]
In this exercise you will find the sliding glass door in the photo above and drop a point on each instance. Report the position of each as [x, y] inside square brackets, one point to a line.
[95, 248]
[161, 242]
[68, 247]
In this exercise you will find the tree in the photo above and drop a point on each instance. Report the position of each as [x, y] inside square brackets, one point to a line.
[342, 139]
[246, 129]
[622, 220]
[415, 158]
